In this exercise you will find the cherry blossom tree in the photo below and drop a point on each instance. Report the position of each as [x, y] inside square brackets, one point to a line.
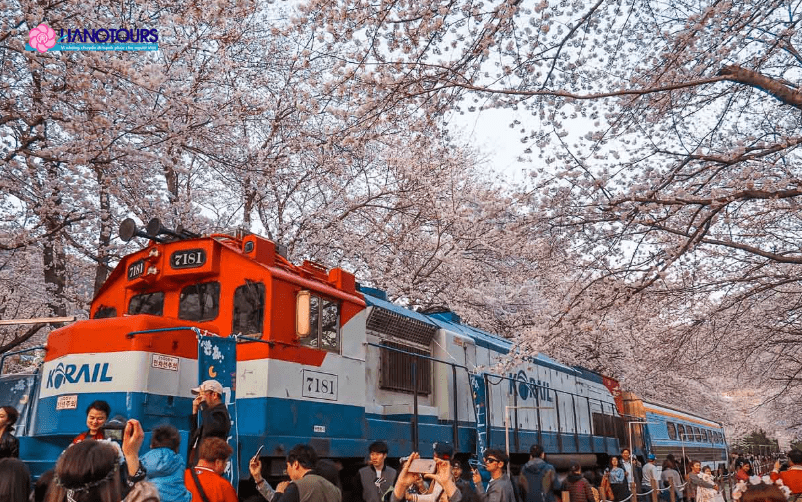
[662, 142]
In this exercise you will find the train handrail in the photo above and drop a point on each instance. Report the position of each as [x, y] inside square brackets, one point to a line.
[195, 330]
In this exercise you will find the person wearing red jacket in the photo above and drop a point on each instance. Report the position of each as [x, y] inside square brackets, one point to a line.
[792, 478]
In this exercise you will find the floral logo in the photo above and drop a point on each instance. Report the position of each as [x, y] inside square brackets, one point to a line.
[42, 38]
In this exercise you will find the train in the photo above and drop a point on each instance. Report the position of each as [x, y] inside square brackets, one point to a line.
[308, 355]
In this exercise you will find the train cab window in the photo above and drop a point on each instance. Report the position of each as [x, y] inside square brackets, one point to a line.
[249, 309]
[199, 302]
[104, 312]
[324, 324]
[672, 430]
[147, 303]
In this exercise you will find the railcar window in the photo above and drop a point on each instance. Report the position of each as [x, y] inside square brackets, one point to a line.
[697, 434]
[249, 309]
[199, 302]
[104, 312]
[324, 324]
[681, 431]
[672, 430]
[147, 303]
[396, 369]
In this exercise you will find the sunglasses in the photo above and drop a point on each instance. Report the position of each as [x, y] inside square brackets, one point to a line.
[490, 460]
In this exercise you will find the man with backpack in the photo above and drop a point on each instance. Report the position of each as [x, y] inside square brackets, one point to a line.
[538, 480]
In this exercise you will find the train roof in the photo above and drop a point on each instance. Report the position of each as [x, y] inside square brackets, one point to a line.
[450, 321]
[677, 412]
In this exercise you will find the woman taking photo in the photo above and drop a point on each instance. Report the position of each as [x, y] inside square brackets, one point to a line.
[90, 471]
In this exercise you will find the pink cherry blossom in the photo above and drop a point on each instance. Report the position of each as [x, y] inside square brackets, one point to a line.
[42, 38]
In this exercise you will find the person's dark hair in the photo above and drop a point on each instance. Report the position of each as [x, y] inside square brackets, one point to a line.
[99, 405]
[378, 447]
[763, 492]
[90, 471]
[795, 456]
[15, 482]
[536, 450]
[328, 469]
[42, 484]
[625, 449]
[165, 436]
[498, 455]
[575, 467]
[304, 455]
[213, 448]
[669, 464]
[13, 415]
[617, 457]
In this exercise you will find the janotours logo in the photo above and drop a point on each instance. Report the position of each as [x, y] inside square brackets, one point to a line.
[73, 373]
[42, 38]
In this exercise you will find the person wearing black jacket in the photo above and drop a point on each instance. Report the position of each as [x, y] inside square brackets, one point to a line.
[215, 420]
[9, 445]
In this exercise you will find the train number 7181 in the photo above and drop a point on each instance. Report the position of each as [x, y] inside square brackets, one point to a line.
[319, 385]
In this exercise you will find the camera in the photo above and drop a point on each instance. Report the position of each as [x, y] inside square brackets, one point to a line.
[113, 429]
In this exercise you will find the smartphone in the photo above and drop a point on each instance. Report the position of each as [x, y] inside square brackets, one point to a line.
[423, 466]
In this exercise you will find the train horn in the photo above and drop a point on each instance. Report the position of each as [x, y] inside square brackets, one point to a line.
[128, 230]
[155, 227]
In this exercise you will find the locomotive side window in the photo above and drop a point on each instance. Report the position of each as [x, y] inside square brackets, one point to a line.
[249, 309]
[104, 312]
[199, 302]
[147, 303]
[330, 326]
[324, 324]
[672, 430]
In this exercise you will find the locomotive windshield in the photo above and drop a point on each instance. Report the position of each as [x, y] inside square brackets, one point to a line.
[199, 302]
[104, 312]
[147, 303]
[249, 309]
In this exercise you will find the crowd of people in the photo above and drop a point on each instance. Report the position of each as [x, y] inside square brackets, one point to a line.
[102, 465]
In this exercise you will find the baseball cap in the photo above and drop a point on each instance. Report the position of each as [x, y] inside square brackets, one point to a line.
[443, 450]
[212, 385]
[650, 456]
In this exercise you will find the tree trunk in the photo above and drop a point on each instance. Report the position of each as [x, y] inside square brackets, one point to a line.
[102, 269]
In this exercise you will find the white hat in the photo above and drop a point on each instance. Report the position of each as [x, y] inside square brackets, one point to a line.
[212, 385]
